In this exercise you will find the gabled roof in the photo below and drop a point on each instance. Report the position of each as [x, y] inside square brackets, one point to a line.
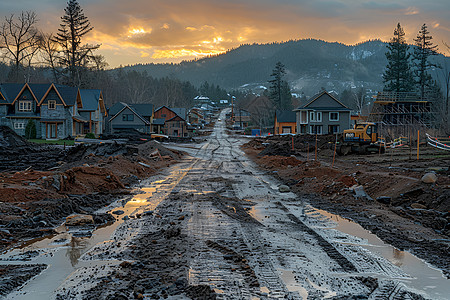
[24, 87]
[70, 95]
[39, 89]
[114, 110]
[310, 103]
[285, 116]
[178, 111]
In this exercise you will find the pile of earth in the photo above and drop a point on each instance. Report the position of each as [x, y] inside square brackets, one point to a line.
[394, 204]
[282, 144]
[16, 153]
[87, 178]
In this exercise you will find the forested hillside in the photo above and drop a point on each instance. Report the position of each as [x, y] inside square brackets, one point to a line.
[310, 64]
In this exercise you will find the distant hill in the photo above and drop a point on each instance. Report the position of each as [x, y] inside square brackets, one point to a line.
[310, 64]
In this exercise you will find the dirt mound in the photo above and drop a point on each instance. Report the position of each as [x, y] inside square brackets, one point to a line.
[287, 145]
[10, 140]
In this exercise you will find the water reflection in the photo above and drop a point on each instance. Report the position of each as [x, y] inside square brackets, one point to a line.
[398, 257]
[75, 249]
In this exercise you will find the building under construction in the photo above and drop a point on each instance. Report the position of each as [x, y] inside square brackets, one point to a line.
[399, 112]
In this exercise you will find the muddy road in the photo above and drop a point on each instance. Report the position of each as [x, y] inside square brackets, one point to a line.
[216, 227]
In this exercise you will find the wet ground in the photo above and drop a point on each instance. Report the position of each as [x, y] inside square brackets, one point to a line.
[217, 227]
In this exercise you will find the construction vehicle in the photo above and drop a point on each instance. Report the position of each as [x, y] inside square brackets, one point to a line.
[362, 139]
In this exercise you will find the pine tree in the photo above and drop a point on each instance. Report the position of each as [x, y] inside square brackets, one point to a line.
[279, 91]
[398, 76]
[75, 56]
[423, 51]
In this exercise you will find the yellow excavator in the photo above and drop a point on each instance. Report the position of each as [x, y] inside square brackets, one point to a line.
[362, 139]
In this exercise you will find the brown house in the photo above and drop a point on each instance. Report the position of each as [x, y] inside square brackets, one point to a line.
[175, 121]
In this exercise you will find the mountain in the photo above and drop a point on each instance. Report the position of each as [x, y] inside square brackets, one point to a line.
[310, 64]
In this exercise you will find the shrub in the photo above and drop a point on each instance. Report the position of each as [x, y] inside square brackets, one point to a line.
[90, 135]
[30, 130]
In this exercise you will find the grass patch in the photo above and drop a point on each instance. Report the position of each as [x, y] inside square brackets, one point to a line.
[56, 142]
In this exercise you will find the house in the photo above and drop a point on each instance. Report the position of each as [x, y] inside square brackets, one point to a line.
[55, 109]
[19, 105]
[59, 112]
[175, 121]
[131, 116]
[93, 110]
[285, 122]
[322, 114]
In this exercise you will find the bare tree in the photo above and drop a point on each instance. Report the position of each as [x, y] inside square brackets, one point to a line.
[20, 38]
[49, 53]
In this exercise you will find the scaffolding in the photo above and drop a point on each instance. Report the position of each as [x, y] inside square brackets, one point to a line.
[400, 112]
[400, 109]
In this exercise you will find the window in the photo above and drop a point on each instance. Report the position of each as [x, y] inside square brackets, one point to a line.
[315, 116]
[19, 125]
[303, 117]
[163, 115]
[286, 129]
[333, 129]
[127, 117]
[51, 104]
[334, 116]
[25, 106]
[315, 129]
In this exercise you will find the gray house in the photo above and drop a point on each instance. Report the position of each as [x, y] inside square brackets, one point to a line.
[59, 113]
[131, 116]
[322, 114]
[19, 104]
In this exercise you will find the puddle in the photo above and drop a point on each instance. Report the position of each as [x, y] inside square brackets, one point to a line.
[424, 277]
[291, 284]
[62, 251]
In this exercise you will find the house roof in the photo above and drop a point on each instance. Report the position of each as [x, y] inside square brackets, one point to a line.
[114, 110]
[90, 99]
[310, 103]
[68, 94]
[285, 116]
[158, 121]
[144, 109]
[179, 111]
[39, 89]
[10, 91]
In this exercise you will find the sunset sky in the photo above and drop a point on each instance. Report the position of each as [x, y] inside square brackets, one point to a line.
[143, 31]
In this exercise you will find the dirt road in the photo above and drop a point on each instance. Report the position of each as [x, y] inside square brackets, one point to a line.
[217, 227]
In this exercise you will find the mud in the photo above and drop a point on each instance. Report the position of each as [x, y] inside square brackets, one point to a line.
[13, 276]
[41, 185]
[400, 209]
[215, 226]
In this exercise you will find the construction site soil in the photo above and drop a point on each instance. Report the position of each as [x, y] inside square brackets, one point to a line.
[40, 184]
[384, 193]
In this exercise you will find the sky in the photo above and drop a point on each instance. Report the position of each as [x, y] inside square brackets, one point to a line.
[157, 31]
